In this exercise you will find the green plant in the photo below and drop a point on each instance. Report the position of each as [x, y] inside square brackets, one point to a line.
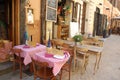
[77, 38]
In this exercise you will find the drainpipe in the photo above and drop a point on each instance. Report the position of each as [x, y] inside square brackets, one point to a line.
[111, 14]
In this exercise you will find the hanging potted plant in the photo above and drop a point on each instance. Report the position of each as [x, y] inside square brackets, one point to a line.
[77, 38]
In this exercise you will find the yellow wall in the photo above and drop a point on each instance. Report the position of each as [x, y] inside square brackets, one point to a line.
[34, 29]
[48, 29]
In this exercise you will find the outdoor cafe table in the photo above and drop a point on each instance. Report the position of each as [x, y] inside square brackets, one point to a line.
[28, 52]
[53, 62]
[97, 50]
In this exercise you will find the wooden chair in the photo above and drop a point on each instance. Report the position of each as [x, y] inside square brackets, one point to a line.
[93, 43]
[5, 48]
[17, 59]
[53, 43]
[45, 42]
[64, 45]
[58, 44]
[82, 56]
[42, 70]
[70, 39]
[85, 38]
[68, 64]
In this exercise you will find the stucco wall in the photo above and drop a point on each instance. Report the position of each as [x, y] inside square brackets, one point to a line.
[110, 11]
[33, 30]
[107, 8]
[91, 8]
[89, 18]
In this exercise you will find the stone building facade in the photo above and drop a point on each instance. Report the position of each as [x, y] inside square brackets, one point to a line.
[111, 9]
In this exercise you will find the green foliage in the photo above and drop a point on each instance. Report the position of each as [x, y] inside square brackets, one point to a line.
[77, 38]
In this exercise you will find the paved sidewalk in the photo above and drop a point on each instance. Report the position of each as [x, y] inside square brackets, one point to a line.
[110, 63]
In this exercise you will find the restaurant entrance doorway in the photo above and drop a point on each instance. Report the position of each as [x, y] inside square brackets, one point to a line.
[9, 20]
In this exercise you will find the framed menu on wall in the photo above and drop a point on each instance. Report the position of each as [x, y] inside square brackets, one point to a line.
[52, 3]
[51, 10]
[51, 14]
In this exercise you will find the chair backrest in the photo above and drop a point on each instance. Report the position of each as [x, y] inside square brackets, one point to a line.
[17, 53]
[82, 52]
[8, 46]
[100, 43]
[45, 42]
[71, 52]
[65, 45]
[53, 43]
[38, 67]
[93, 43]
[58, 44]
[70, 39]
[1, 44]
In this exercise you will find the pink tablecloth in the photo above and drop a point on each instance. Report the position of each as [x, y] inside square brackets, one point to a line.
[28, 52]
[53, 62]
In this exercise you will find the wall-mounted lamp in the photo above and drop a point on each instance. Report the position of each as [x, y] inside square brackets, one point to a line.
[28, 3]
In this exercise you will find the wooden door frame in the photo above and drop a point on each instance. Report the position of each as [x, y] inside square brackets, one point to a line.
[83, 18]
[16, 22]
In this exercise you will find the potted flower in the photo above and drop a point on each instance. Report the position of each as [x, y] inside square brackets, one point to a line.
[77, 38]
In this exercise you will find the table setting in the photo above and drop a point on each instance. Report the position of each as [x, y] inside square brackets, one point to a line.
[55, 58]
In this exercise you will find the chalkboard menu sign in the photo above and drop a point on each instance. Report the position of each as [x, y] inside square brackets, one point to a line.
[51, 10]
[52, 3]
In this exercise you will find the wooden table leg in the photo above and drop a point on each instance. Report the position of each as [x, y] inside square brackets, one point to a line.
[99, 60]
[31, 68]
[96, 62]
[74, 59]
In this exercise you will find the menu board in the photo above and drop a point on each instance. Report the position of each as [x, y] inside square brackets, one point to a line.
[51, 14]
[52, 3]
[51, 10]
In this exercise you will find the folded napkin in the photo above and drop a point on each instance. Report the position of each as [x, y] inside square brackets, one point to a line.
[26, 46]
[48, 55]
[59, 56]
